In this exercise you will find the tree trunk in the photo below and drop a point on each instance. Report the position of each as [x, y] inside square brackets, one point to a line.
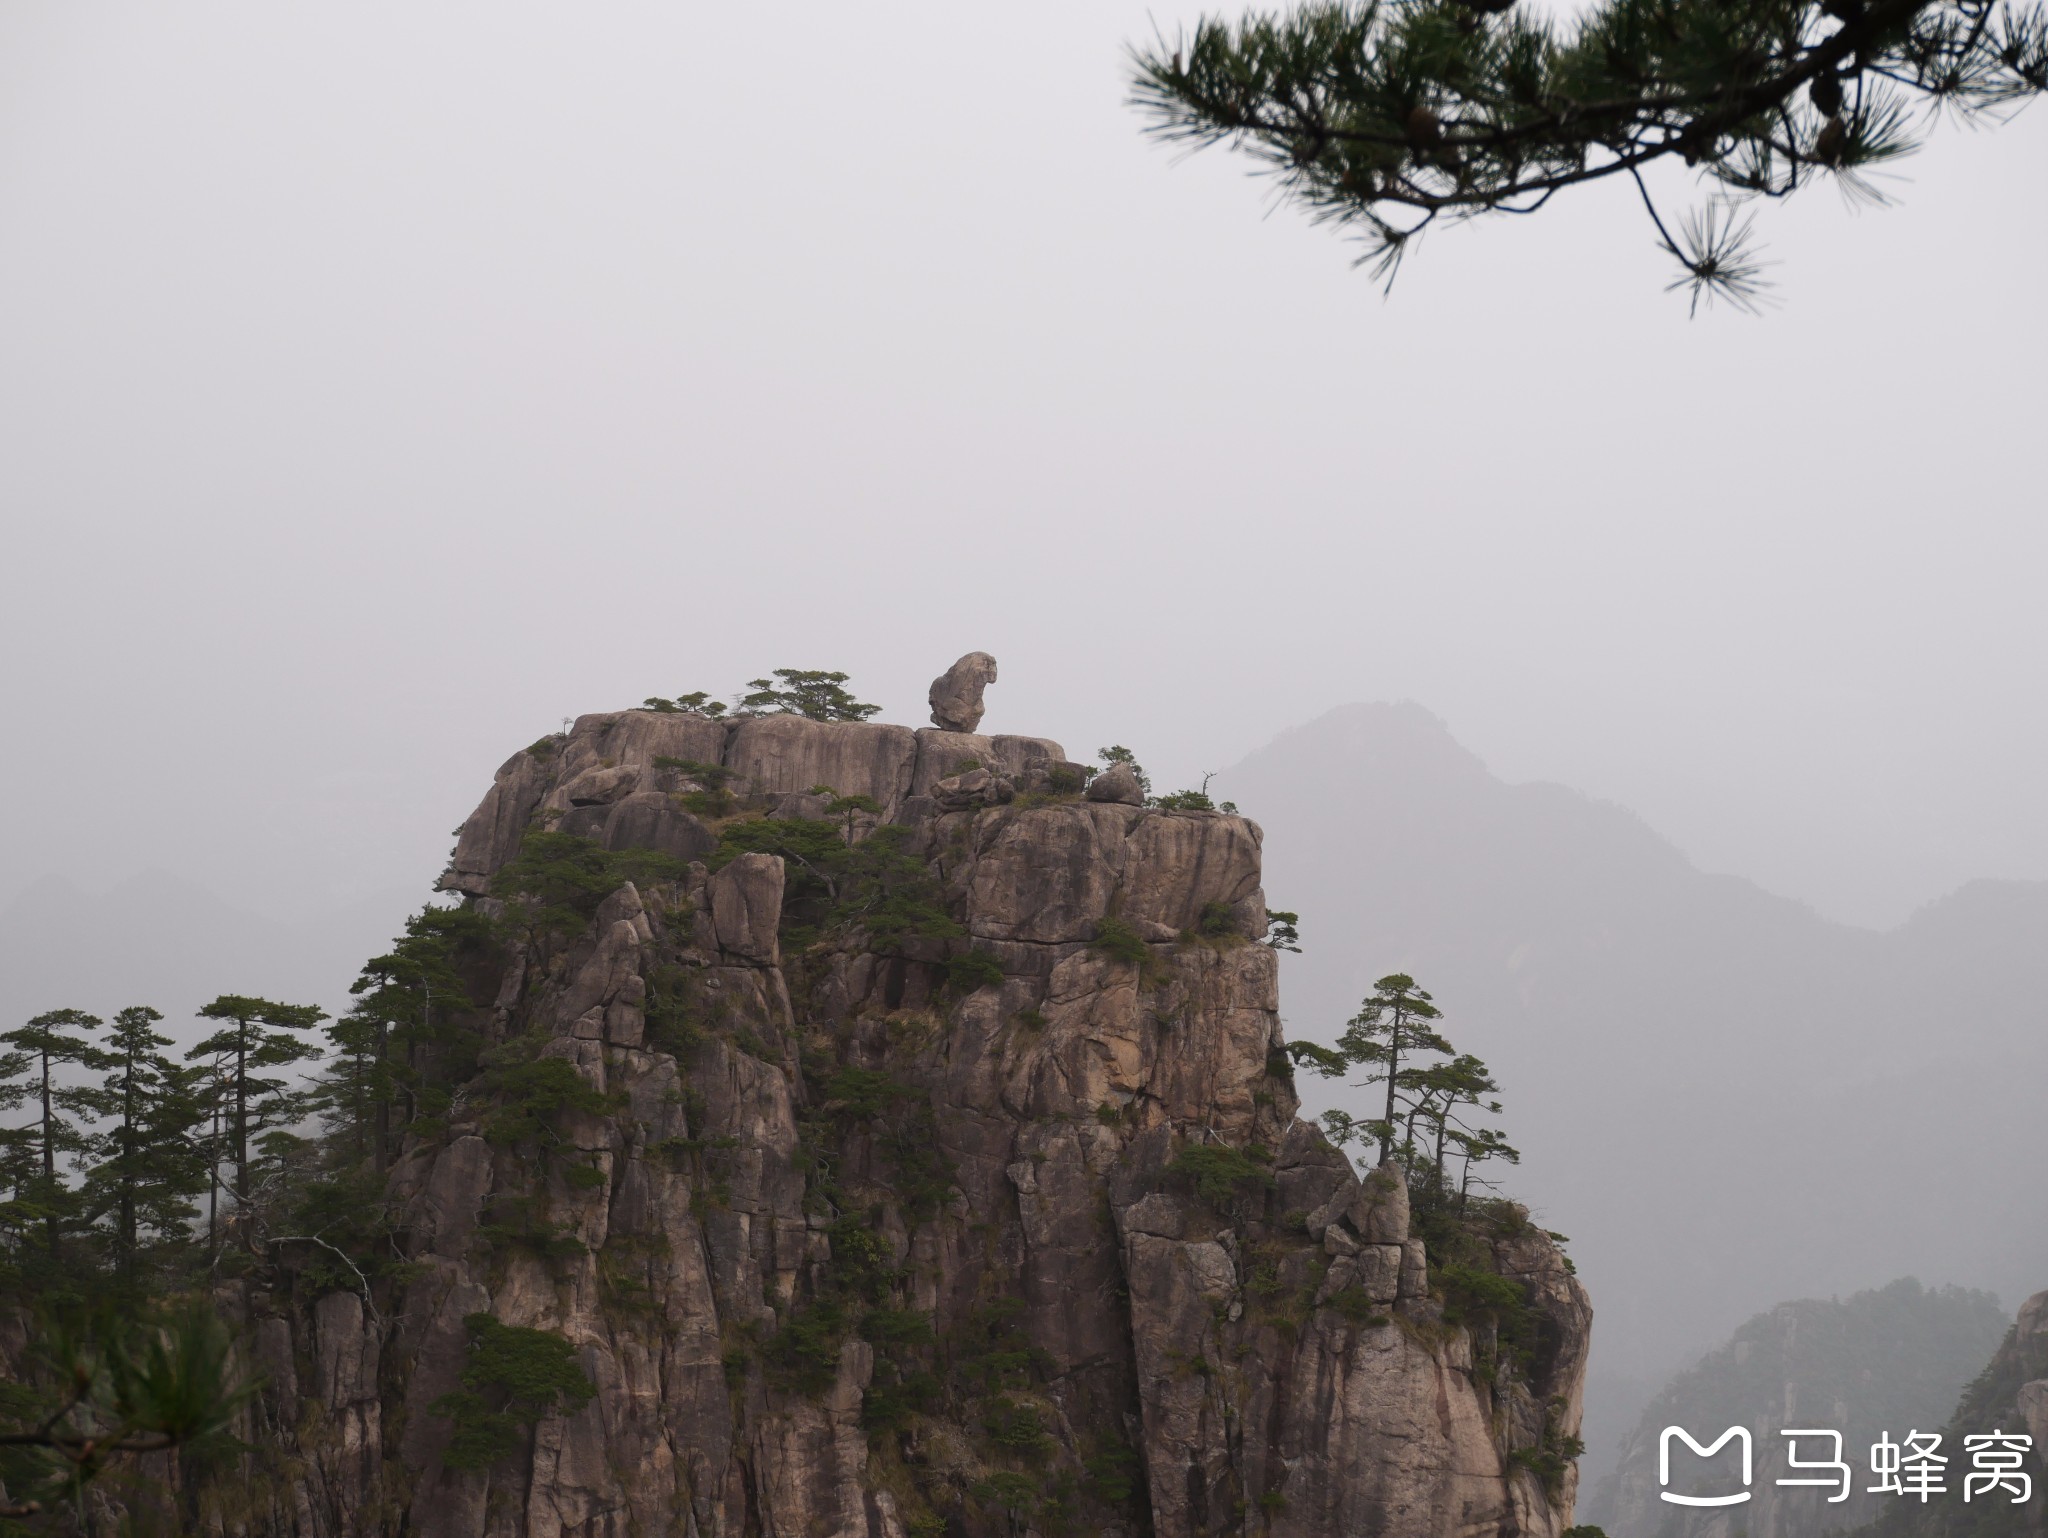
[1393, 1067]
[49, 1156]
[381, 1136]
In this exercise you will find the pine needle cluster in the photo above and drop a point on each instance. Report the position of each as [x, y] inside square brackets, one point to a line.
[1384, 116]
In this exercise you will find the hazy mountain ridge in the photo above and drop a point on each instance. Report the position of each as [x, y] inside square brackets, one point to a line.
[1725, 1098]
[1885, 1361]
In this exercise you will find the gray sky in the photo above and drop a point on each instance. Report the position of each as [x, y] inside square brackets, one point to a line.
[381, 383]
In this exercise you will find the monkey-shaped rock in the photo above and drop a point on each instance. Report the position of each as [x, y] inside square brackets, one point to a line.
[956, 693]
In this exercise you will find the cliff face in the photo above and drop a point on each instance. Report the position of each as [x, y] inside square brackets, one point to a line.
[866, 1239]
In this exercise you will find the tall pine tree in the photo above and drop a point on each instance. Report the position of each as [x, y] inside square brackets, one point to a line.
[42, 1051]
[243, 1100]
[151, 1161]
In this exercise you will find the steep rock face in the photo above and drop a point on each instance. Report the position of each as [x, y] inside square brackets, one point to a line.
[901, 1237]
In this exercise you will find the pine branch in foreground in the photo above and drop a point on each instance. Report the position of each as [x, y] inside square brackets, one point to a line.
[1384, 116]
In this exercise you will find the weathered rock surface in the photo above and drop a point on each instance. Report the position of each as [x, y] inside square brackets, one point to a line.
[956, 693]
[1117, 784]
[868, 1245]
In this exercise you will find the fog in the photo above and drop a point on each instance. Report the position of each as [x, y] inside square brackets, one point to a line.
[380, 385]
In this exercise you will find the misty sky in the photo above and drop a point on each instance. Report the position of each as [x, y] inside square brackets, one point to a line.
[380, 384]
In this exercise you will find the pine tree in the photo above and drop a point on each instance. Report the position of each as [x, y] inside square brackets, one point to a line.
[151, 1164]
[1440, 1090]
[402, 1044]
[1392, 1023]
[43, 1049]
[1385, 116]
[243, 1102]
[820, 695]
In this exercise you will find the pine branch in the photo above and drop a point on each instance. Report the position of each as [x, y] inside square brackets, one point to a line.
[1383, 116]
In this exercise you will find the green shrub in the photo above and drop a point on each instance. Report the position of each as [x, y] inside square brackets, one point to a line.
[1354, 1304]
[1016, 1428]
[888, 1327]
[896, 1395]
[1219, 1172]
[1112, 1473]
[990, 1351]
[513, 1221]
[513, 1377]
[557, 880]
[712, 798]
[1015, 1495]
[1550, 1458]
[675, 1019]
[1471, 1293]
[529, 1091]
[862, 1262]
[1184, 801]
[862, 1094]
[804, 1354]
[973, 969]
[698, 701]
[1119, 942]
[810, 692]
[876, 885]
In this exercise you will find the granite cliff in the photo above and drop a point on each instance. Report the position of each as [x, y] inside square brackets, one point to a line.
[934, 1170]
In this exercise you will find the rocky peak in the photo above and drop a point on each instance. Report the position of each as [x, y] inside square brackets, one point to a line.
[947, 1181]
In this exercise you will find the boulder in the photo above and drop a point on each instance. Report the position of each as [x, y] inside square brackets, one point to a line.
[956, 693]
[1379, 1212]
[1117, 784]
[975, 788]
[941, 755]
[602, 786]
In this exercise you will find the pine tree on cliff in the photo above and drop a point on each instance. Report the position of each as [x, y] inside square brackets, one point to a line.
[1384, 116]
[151, 1164]
[243, 1101]
[395, 1046]
[810, 692]
[42, 1050]
[1392, 1023]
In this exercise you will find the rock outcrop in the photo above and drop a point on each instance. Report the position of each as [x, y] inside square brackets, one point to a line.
[956, 693]
[915, 1208]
